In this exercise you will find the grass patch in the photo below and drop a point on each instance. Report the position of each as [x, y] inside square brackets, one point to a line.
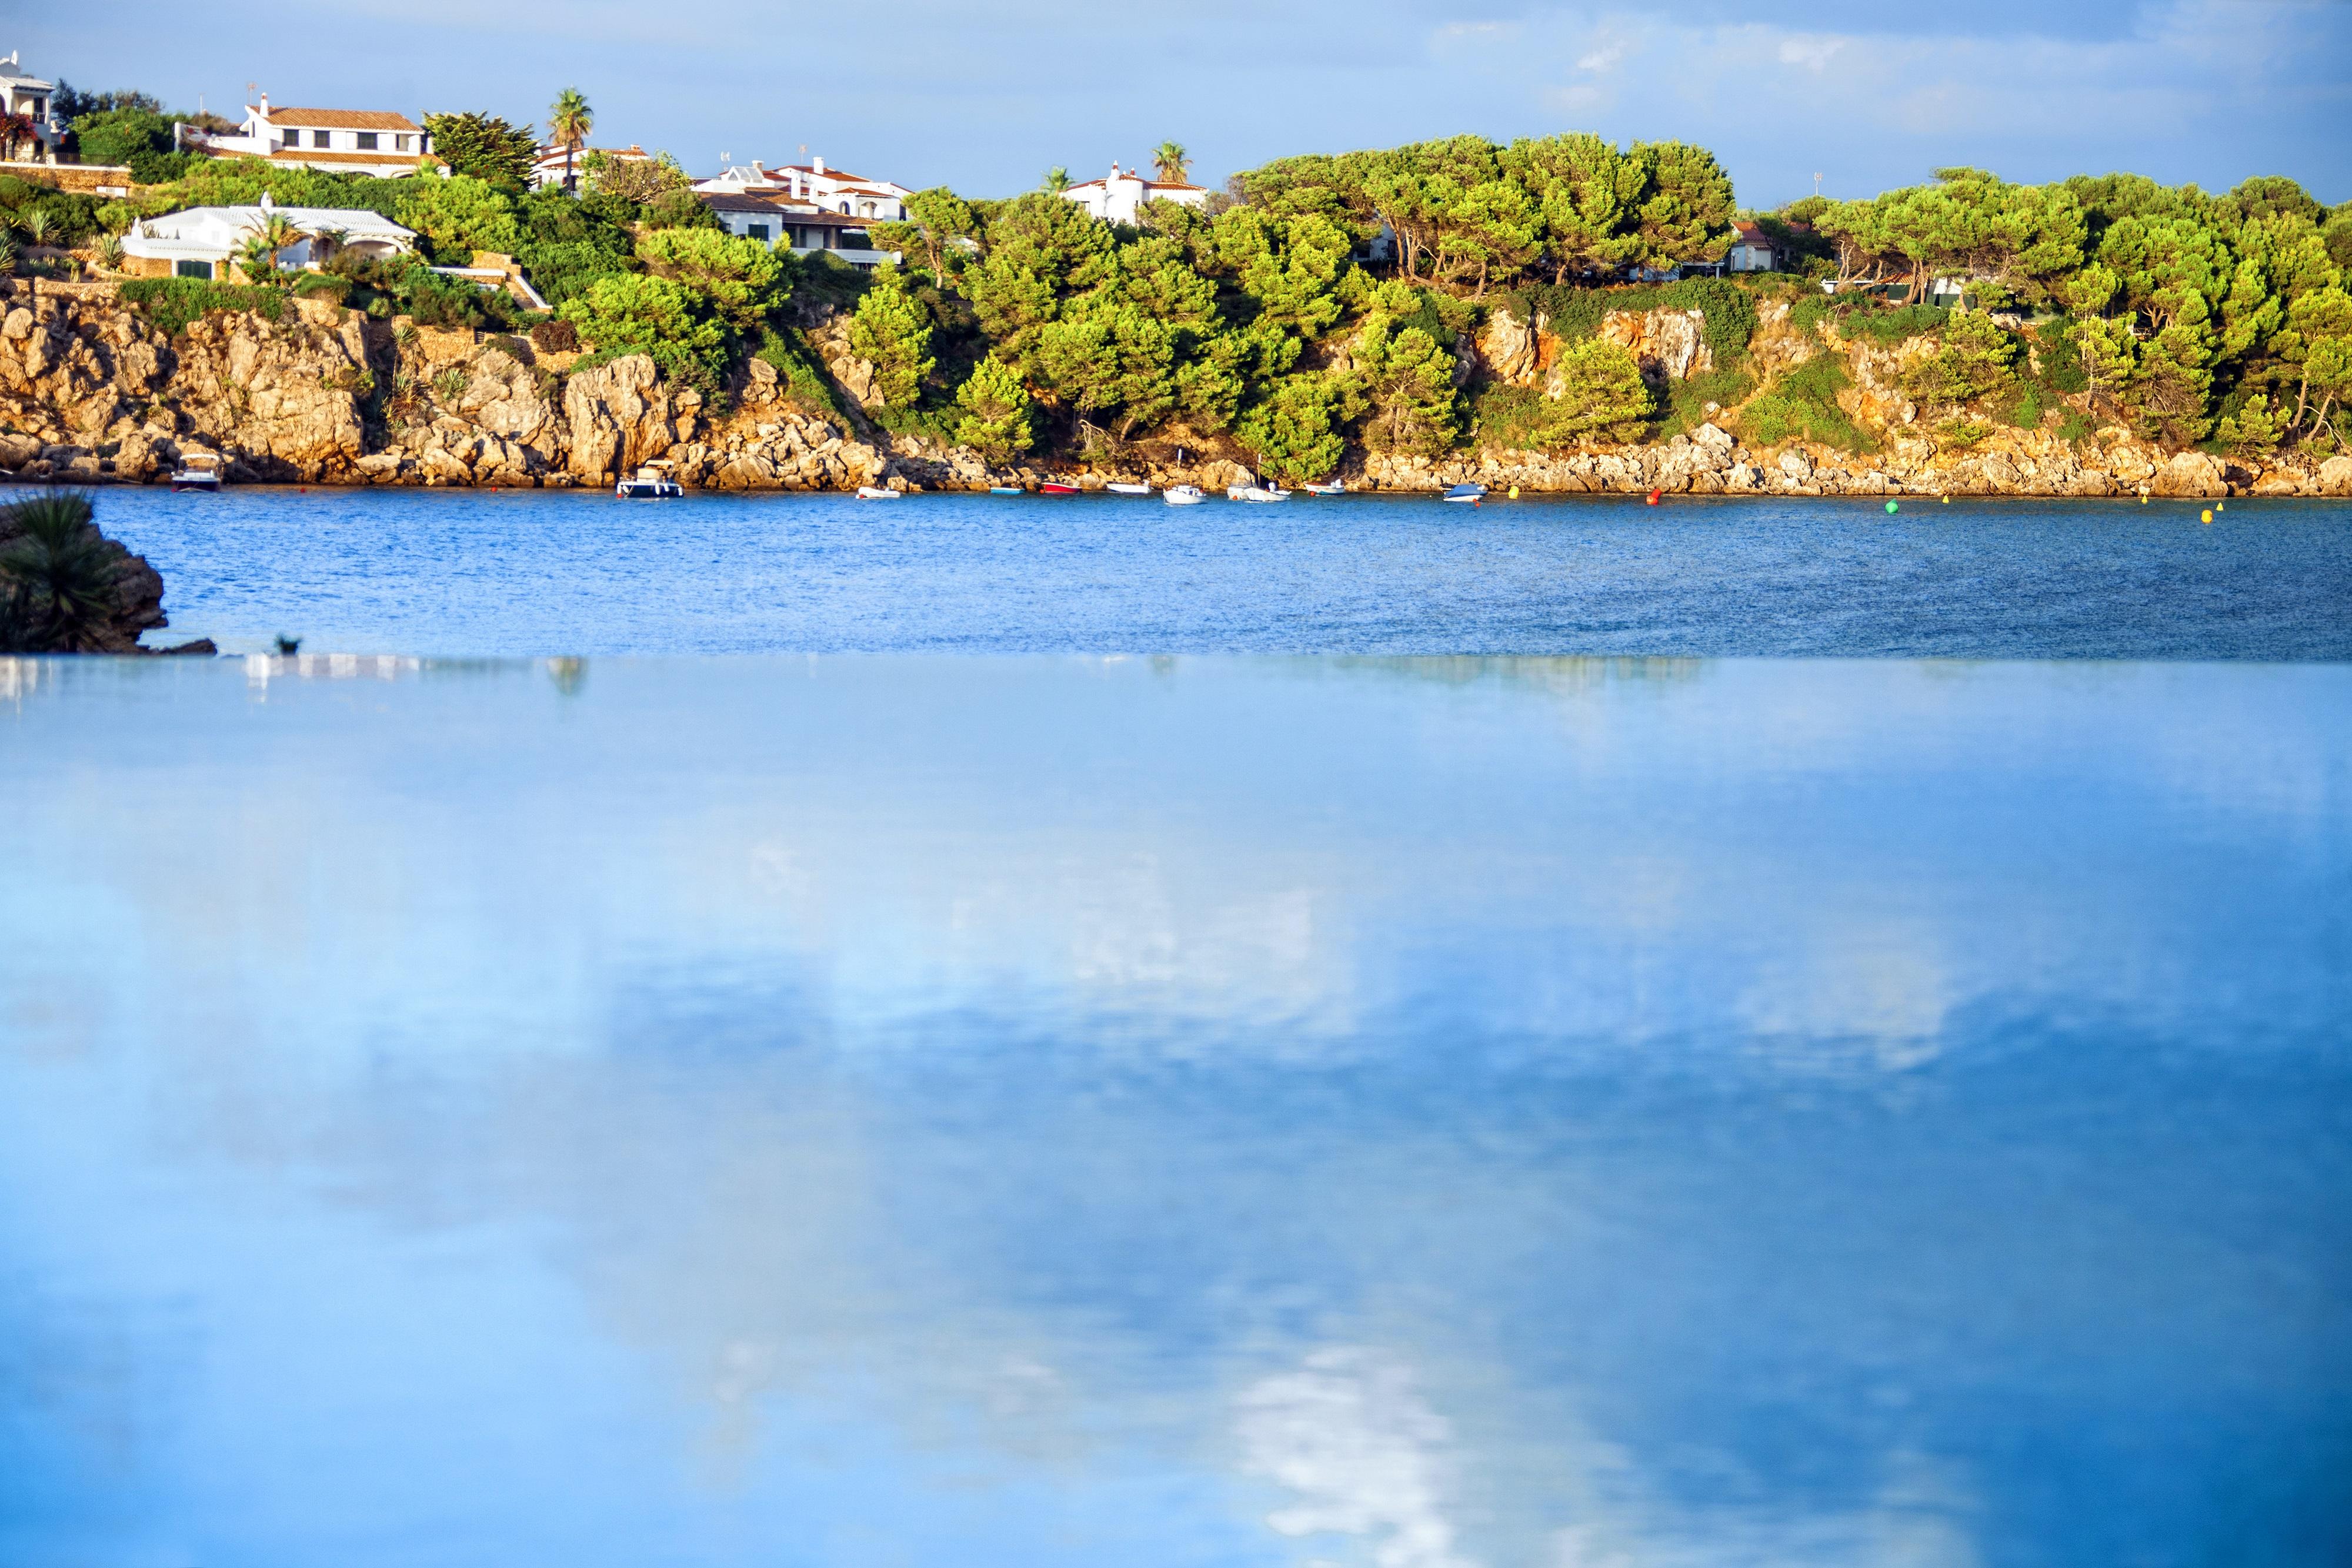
[797, 365]
[1510, 418]
[1803, 405]
[173, 303]
[1890, 327]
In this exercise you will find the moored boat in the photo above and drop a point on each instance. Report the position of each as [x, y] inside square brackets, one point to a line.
[876, 492]
[653, 482]
[1255, 493]
[1183, 495]
[1057, 488]
[198, 472]
[1327, 487]
[1470, 493]
[1126, 489]
[1006, 490]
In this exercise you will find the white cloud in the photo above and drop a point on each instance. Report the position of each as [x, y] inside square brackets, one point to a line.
[1813, 54]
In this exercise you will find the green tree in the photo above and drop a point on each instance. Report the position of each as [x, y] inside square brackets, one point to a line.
[1110, 358]
[459, 216]
[483, 147]
[742, 281]
[1596, 393]
[569, 121]
[998, 412]
[892, 331]
[1588, 195]
[1171, 162]
[1293, 429]
[1407, 377]
[1975, 360]
[117, 135]
[1687, 205]
[631, 313]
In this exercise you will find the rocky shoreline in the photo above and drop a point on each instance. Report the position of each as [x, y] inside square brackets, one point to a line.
[93, 393]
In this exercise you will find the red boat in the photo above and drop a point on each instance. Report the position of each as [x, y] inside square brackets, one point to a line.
[1056, 487]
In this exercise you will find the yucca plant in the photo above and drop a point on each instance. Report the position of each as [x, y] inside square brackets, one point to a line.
[110, 253]
[56, 578]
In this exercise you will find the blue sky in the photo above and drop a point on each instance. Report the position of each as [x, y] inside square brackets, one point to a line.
[986, 94]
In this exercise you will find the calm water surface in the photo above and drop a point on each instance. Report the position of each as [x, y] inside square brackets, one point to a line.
[1055, 1111]
[460, 572]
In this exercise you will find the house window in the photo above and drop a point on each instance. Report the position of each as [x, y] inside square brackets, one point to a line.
[366, 140]
[402, 144]
[755, 231]
[191, 270]
[317, 139]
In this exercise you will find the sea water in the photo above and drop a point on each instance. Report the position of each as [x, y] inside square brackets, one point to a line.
[1038, 1111]
[536, 573]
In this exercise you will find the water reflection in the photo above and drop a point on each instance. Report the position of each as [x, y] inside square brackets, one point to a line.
[1472, 1114]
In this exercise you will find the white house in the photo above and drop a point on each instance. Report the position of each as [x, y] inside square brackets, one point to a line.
[204, 242]
[1119, 196]
[832, 190]
[1752, 250]
[347, 141]
[24, 93]
[548, 170]
[802, 227]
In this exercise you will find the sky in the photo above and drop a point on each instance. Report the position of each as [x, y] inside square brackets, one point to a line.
[984, 95]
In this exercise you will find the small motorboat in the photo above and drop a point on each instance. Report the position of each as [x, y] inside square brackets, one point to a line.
[653, 482]
[198, 471]
[1006, 490]
[1183, 495]
[1328, 488]
[1125, 489]
[1255, 493]
[1473, 494]
[876, 492]
[1057, 488]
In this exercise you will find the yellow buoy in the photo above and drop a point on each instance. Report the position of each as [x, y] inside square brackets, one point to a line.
[1514, 492]
[2220, 506]
[1945, 499]
[2205, 515]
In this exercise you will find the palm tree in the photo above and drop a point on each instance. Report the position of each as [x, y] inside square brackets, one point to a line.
[264, 240]
[57, 577]
[1171, 162]
[569, 120]
[1057, 179]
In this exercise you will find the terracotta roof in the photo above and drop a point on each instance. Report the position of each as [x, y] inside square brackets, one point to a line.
[1753, 233]
[827, 174]
[306, 155]
[343, 120]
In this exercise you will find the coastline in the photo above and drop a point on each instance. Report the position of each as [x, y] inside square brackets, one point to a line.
[91, 392]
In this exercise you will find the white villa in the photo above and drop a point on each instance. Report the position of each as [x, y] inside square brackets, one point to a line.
[23, 93]
[548, 170]
[204, 242]
[812, 184]
[802, 227]
[1119, 196]
[347, 141]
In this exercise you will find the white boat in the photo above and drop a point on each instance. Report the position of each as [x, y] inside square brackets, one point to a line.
[876, 492]
[1182, 495]
[1328, 488]
[1129, 490]
[198, 471]
[1255, 491]
[1470, 493]
[652, 483]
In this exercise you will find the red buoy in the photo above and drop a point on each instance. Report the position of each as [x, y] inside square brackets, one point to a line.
[1654, 498]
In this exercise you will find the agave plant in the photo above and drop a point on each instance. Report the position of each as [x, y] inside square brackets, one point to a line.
[110, 253]
[38, 224]
[7, 253]
[56, 578]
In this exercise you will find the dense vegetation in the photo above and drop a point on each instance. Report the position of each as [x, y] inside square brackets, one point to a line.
[1326, 300]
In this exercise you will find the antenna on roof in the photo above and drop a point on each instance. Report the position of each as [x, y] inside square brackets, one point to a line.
[1817, 185]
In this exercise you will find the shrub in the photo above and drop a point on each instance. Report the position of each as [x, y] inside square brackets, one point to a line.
[1730, 309]
[891, 329]
[1803, 405]
[1974, 361]
[1890, 327]
[116, 135]
[742, 281]
[1509, 417]
[1293, 430]
[555, 336]
[458, 217]
[804, 378]
[56, 577]
[1602, 394]
[1686, 400]
[323, 286]
[150, 168]
[172, 303]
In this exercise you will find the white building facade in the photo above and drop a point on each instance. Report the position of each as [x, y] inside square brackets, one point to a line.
[346, 141]
[21, 92]
[1119, 197]
[206, 242]
[812, 184]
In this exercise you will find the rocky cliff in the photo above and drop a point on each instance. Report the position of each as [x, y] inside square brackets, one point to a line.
[93, 392]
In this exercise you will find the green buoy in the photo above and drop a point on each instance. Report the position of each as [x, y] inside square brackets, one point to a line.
[1891, 506]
